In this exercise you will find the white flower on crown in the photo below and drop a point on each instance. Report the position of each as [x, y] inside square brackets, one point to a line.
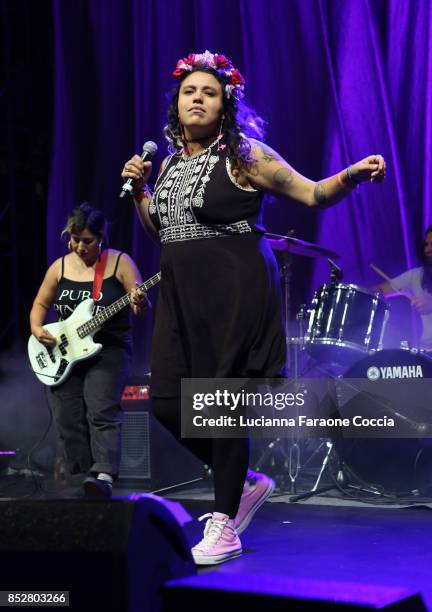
[228, 90]
[205, 60]
[184, 66]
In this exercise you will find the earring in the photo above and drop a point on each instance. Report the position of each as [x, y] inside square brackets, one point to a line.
[221, 147]
[69, 246]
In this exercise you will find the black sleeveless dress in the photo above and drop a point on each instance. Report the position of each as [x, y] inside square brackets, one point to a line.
[219, 307]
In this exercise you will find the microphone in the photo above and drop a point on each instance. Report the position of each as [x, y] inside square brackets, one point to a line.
[149, 149]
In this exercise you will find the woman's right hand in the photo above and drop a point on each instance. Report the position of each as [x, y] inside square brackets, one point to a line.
[423, 304]
[138, 170]
[43, 335]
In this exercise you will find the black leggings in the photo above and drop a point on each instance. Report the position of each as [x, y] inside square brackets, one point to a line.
[228, 457]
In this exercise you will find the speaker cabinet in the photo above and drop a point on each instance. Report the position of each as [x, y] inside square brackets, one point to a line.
[136, 443]
[109, 555]
[151, 456]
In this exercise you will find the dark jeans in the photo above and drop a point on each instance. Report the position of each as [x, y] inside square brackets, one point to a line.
[228, 457]
[88, 413]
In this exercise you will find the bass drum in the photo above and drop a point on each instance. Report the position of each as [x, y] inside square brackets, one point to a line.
[397, 466]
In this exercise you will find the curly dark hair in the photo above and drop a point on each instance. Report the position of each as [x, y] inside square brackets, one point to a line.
[85, 217]
[240, 122]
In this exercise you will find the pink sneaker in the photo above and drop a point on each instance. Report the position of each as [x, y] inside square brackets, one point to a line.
[258, 487]
[220, 542]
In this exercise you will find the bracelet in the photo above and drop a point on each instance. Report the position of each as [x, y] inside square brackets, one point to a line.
[141, 194]
[344, 181]
[350, 177]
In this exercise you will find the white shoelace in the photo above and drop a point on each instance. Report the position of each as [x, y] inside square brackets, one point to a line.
[212, 532]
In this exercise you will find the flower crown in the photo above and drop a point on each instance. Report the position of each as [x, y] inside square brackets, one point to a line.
[217, 62]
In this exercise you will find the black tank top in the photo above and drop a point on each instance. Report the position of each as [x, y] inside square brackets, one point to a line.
[69, 293]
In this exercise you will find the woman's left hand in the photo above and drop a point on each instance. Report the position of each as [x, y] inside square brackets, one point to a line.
[139, 300]
[371, 168]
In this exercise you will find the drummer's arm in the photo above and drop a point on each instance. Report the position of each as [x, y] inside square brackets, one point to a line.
[271, 173]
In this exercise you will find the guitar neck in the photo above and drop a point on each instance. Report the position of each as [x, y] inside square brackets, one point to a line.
[95, 322]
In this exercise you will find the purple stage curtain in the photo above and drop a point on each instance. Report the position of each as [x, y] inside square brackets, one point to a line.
[336, 80]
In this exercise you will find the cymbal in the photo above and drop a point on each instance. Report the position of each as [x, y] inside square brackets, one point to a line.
[298, 247]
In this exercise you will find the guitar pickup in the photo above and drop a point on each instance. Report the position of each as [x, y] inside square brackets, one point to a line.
[62, 367]
[42, 361]
[63, 344]
[51, 355]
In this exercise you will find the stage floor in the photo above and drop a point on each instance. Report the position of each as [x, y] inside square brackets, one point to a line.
[375, 546]
[326, 538]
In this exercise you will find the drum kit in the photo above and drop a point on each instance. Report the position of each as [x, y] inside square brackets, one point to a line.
[341, 336]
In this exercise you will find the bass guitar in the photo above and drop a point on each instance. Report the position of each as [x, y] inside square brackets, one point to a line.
[74, 336]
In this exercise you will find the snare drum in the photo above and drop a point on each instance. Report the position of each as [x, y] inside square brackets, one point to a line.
[345, 320]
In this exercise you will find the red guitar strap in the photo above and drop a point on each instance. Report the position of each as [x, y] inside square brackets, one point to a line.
[99, 274]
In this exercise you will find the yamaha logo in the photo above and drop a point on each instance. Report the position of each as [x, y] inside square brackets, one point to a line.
[373, 373]
[392, 372]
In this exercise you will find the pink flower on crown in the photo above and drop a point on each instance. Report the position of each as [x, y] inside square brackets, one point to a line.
[184, 65]
[221, 61]
[236, 78]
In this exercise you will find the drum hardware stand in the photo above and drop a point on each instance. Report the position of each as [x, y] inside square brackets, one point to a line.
[285, 274]
[315, 490]
[276, 447]
[341, 484]
[294, 465]
[341, 477]
[293, 455]
[336, 274]
[178, 485]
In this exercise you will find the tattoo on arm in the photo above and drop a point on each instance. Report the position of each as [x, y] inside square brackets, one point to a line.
[319, 194]
[268, 157]
[282, 176]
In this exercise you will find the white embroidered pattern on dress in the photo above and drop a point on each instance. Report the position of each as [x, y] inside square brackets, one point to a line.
[182, 187]
[195, 231]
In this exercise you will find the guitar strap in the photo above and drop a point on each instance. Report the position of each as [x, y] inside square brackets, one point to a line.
[99, 274]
